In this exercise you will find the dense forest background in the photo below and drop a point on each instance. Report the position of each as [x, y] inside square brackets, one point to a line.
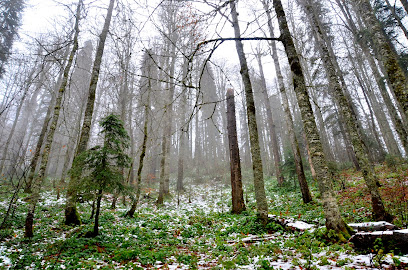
[122, 105]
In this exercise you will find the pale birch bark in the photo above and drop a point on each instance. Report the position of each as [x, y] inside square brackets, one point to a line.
[39, 178]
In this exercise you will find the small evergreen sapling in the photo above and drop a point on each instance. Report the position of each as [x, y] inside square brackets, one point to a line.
[101, 165]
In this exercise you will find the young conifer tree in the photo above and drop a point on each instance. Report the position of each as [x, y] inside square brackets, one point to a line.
[101, 166]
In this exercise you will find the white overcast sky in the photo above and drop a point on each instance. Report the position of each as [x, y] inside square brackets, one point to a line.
[40, 15]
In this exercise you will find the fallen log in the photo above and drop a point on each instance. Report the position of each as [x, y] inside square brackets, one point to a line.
[373, 226]
[396, 240]
[291, 224]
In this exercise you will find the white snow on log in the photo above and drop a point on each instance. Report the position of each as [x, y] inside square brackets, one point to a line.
[376, 226]
[300, 225]
[376, 233]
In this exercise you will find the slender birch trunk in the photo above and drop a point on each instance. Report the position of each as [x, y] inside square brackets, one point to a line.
[37, 182]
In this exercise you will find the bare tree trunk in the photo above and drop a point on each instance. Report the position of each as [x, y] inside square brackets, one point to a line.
[306, 196]
[348, 114]
[259, 185]
[135, 199]
[98, 210]
[271, 124]
[400, 127]
[166, 139]
[37, 182]
[71, 214]
[386, 54]
[397, 18]
[334, 220]
[26, 86]
[238, 204]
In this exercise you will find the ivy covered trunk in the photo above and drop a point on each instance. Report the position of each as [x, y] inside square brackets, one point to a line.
[259, 185]
[238, 204]
[334, 221]
[71, 214]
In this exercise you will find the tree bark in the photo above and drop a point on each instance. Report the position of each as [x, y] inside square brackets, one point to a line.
[334, 220]
[37, 182]
[386, 54]
[306, 195]
[397, 18]
[347, 112]
[71, 214]
[97, 212]
[136, 197]
[271, 124]
[238, 204]
[259, 185]
[400, 127]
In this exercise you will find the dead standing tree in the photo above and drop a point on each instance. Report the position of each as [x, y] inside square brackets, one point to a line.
[238, 204]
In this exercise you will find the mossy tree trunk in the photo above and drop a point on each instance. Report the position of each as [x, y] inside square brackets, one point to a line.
[135, 200]
[37, 182]
[306, 195]
[386, 54]
[334, 221]
[400, 126]
[346, 111]
[71, 214]
[260, 196]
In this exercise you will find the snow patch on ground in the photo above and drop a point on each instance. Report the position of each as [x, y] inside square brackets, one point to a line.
[4, 260]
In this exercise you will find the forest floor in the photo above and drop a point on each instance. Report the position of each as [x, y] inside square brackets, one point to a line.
[195, 230]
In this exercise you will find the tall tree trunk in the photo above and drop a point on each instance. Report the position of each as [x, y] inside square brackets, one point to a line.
[71, 214]
[334, 220]
[37, 182]
[26, 86]
[238, 204]
[306, 195]
[397, 18]
[135, 199]
[347, 112]
[166, 139]
[259, 185]
[386, 54]
[402, 129]
[271, 124]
